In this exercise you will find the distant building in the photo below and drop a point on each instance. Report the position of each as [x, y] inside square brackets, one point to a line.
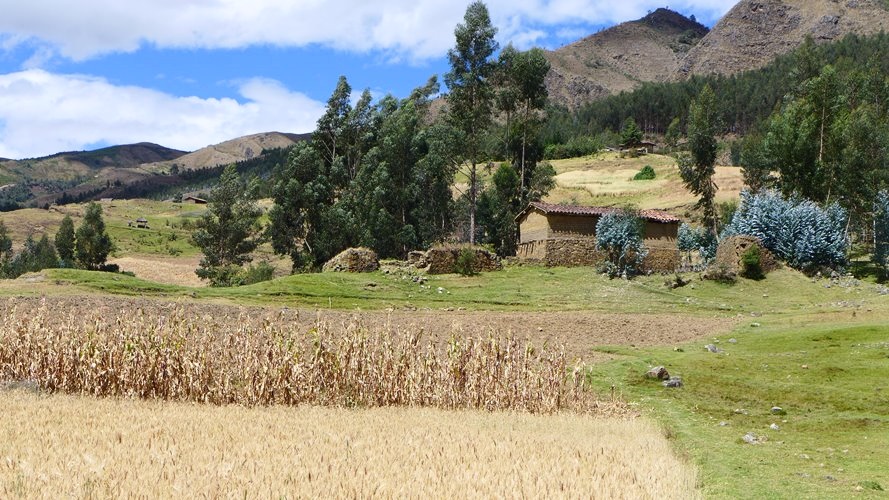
[195, 200]
[565, 235]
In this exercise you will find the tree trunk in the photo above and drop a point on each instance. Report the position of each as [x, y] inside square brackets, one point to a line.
[473, 194]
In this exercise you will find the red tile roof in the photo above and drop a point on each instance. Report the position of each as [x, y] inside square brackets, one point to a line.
[548, 208]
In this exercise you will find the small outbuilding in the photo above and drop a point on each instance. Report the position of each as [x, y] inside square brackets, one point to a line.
[565, 235]
[195, 200]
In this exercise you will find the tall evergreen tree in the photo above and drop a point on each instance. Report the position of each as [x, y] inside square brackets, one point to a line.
[470, 93]
[92, 243]
[5, 250]
[697, 169]
[229, 231]
[64, 242]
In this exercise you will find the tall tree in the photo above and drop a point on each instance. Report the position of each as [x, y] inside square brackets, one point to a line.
[92, 243]
[697, 169]
[64, 242]
[229, 231]
[528, 75]
[470, 92]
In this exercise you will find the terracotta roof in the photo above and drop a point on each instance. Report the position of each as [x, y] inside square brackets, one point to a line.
[549, 208]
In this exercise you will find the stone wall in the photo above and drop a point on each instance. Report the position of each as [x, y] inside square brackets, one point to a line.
[572, 252]
[581, 252]
[443, 260]
[661, 259]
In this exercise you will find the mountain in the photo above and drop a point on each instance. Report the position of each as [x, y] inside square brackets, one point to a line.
[621, 57]
[231, 151]
[80, 164]
[754, 32]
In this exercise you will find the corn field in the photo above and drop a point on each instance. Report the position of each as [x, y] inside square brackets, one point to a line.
[180, 352]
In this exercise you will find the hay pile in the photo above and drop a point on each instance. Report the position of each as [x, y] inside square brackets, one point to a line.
[353, 260]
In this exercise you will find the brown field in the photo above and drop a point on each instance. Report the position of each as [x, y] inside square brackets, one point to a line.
[166, 270]
[69, 446]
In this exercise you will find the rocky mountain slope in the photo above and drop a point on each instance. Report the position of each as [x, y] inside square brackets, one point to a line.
[621, 57]
[754, 32]
[231, 151]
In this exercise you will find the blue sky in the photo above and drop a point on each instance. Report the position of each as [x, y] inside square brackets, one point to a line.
[189, 73]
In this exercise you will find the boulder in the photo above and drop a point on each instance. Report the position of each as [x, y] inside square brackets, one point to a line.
[658, 372]
[673, 382]
[353, 260]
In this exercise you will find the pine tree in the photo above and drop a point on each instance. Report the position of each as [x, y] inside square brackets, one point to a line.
[92, 244]
[229, 232]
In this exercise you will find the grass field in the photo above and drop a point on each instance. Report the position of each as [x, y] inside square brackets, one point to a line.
[831, 380]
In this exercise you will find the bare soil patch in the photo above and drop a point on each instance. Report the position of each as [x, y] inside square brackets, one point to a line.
[166, 270]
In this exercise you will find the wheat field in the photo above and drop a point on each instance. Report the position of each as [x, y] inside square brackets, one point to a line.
[81, 447]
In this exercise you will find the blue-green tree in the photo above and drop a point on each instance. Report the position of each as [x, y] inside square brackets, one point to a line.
[620, 236]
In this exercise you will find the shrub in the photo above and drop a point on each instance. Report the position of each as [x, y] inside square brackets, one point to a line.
[799, 232]
[646, 174]
[751, 265]
[258, 273]
[696, 239]
[619, 235]
[465, 264]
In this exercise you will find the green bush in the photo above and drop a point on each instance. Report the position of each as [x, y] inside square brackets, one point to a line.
[751, 265]
[646, 174]
[262, 271]
[465, 264]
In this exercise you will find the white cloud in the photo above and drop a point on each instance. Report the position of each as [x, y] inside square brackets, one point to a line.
[43, 113]
[412, 29]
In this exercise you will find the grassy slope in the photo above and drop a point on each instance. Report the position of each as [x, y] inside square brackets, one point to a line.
[606, 179]
[830, 379]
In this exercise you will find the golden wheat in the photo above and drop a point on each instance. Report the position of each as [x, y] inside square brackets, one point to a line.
[78, 447]
[169, 353]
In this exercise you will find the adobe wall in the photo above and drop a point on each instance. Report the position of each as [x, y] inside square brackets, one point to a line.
[661, 259]
[535, 227]
[661, 233]
[572, 226]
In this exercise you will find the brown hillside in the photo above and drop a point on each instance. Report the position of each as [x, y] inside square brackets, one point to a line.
[231, 151]
[754, 32]
[76, 164]
[620, 58]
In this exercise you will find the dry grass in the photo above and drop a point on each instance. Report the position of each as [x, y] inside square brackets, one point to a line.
[606, 179]
[169, 353]
[66, 446]
[166, 270]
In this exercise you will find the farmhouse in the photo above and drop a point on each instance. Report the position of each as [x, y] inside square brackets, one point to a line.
[564, 235]
[195, 200]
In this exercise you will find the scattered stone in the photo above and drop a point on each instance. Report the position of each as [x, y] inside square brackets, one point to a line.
[673, 382]
[732, 341]
[741, 411]
[805, 457]
[830, 478]
[774, 427]
[440, 290]
[723, 423]
[805, 367]
[712, 348]
[658, 372]
[678, 349]
[777, 410]
[803, 474]
[751, 438]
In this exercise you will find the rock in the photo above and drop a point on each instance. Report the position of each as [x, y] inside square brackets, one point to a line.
[712, 348]
[741, 411]
[777, 410]
[750, 438]
[658, 372]
[417, 258]
[353, 260]
[442, 260]
[755, 325]
[732, 341]
[673, 382]
[723, 423]
[774, 427]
